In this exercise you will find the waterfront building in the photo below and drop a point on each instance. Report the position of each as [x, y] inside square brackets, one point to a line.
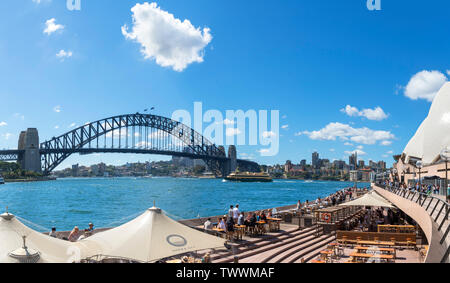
[315, 160]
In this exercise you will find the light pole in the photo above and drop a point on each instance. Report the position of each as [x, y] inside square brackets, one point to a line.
[445, 155]
[419, 165]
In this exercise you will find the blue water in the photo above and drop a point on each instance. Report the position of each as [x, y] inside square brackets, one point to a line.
[110, 202]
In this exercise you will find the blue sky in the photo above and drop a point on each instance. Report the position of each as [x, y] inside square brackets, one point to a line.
[307, 59]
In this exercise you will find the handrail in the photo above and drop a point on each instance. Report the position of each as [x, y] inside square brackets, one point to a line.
[421, 199]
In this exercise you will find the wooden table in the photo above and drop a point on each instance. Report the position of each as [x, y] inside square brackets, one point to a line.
[388, 251]
[276, 222]
[375, 243]
[240, 231]
[388, 258]
[260, 227]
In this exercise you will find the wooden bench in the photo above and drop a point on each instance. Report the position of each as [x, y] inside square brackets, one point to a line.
[399, 239]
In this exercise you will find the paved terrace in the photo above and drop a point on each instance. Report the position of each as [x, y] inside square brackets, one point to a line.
[430, 213]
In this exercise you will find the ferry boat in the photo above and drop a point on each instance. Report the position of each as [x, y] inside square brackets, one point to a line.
[249, 177]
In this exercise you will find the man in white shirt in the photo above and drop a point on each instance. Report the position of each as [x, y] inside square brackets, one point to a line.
[208, 225]
[236, 213]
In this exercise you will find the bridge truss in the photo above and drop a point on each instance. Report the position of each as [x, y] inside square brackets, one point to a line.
[132, 133]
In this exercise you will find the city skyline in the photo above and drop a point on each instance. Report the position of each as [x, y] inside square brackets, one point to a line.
[335, 92]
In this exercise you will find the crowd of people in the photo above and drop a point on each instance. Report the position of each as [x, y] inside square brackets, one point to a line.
[427, 189]
[236, 217]
[75, 235]
[369, 220]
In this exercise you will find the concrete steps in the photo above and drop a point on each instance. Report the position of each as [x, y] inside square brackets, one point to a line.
[290, 255]
[259, 247]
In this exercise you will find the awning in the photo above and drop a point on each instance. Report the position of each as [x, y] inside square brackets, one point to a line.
[369, 199]
[149, 237]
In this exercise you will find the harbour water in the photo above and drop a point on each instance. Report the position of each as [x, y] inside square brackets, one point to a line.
[109, 202]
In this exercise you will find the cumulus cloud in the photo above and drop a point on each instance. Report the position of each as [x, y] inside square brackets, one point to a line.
[62, 54]
[232, 132]
[347, 133]
[57, 109]
[357, 151]
[2, 124]
[376, 114]
[166, 39]
[425, 85]
[386, 143]
[51, 26]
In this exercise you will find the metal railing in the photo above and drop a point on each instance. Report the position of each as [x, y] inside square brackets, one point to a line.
[439, 206]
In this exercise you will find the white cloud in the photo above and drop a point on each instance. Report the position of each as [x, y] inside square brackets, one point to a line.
[2, 124]
[169, 41]
[425, 85]
[263, 151]
[72, 125]
[270, 134]
[232, 132]
[347, 133]
[348, 144]
[57, 109]
[360, 147]
[51, 27]
[62, 54]
[228, 122]
[448, 72]
[6, 136]
[56, 127]
[390, 152]
[332, 150]
[358, 152]
[285, 127]
[376, 114]
[386, 143]
[350, 111]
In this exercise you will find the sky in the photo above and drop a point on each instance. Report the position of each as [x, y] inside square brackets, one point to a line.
[343, 78]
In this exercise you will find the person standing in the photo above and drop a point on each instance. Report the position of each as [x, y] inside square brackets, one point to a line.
[230, 212]
[236, 213]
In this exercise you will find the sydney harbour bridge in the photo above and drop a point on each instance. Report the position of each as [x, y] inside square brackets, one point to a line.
[130, 133]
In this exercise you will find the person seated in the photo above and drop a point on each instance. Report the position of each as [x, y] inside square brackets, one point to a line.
[241, 219]
[208, 225]
[74, 235]
[253, 220]
[263, 217]
[91, 227]
[221, 224]
[53, 233]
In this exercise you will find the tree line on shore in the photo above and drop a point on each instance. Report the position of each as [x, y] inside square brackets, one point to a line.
[13, 171]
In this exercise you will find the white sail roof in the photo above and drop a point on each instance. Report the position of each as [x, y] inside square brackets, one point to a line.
[50, 249]
[369, 199]
[434, 134]
[149, 237]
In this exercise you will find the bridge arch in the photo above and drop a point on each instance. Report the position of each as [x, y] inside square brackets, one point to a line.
[133, 133]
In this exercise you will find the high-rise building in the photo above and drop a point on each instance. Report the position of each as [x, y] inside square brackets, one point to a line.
[315, 160]
[353, 160]
[361, 164]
